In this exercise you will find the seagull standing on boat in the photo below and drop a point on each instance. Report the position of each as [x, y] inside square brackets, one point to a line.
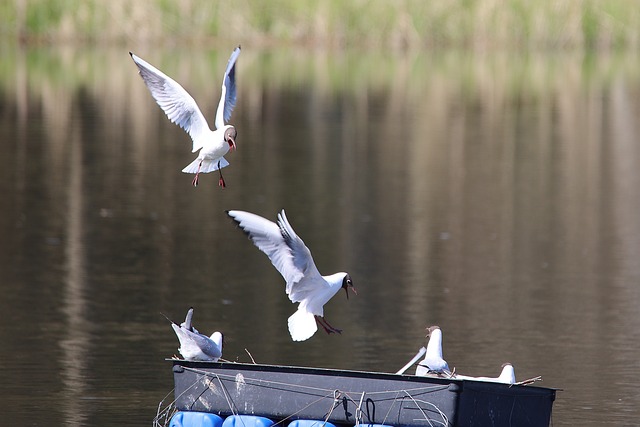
[182, 110]
[507, 376]
[193, 344]
[291, 257]
[433, 361]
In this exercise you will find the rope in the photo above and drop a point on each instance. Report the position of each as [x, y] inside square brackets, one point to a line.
[309, 405]
[257, 381]
[260, 382]
[167, 412]
[338, 397]
[442, 414]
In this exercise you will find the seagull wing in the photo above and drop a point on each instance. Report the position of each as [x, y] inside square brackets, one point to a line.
[229, 92]
[187, 324]
[206, 344]
[191, 342]
[303, 262]
[176, 102]
[281, 244]
[187, 320]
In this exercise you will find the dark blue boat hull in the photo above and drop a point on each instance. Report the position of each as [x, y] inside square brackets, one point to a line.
[353, 397]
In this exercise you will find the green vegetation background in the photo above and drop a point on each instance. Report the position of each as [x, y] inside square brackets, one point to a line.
[479, 24]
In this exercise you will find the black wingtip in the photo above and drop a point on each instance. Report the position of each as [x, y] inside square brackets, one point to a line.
[228, 212]
[131, 54]
[167, 317]
[238, 225]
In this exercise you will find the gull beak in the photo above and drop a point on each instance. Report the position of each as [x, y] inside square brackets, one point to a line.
[346, 290]
[232, 144]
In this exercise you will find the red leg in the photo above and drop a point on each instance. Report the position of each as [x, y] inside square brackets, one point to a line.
[195, 180]
[326, 326]
[221, 182]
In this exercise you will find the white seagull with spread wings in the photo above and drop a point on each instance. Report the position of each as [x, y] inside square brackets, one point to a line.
[182, 110]
[291, 257]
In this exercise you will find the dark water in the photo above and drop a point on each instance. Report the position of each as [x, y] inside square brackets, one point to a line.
[497, 196]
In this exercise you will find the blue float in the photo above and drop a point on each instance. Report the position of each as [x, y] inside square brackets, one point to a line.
[246, 421]
[311, 423]
[195, 419]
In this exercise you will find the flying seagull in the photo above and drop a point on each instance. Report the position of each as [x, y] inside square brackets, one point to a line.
[291, 257]
[182, 110]
[193, 344]
[433, 361]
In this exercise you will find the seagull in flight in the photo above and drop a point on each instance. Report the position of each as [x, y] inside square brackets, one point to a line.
[507, 376]
[291, 257]
[182, 110]
[433, 361]
[193, 344]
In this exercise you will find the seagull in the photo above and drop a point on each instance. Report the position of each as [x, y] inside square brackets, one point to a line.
[507, 376]
[291, 257]
[182, 110]
[433, 361]
[193, 344]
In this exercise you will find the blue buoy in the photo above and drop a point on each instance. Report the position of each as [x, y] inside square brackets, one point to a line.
[246, 421]
[311, 423]
[195, 419]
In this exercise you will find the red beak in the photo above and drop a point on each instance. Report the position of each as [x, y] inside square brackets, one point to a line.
[346, 291]
[232, 144]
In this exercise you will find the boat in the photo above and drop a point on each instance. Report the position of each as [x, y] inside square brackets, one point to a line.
[348, 398]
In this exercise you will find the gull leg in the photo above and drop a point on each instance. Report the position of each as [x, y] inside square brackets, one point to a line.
[195, 180]
[221, 182]
[326, 326]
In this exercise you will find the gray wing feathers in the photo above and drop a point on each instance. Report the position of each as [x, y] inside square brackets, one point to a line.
[229, 91]
[187, 320]
[302, 259]
[198, 340]
[268, 237]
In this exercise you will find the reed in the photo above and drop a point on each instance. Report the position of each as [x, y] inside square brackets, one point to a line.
[588, 24]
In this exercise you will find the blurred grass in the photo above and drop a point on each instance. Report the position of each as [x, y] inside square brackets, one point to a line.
[480, 24]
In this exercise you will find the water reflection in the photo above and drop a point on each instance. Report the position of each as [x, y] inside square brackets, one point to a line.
[493, 195]
[76, 341]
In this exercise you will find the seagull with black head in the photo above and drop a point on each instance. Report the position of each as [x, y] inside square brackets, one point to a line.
[181, 109]
[291, 257]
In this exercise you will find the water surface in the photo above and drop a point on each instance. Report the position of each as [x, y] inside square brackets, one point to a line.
[493, 195]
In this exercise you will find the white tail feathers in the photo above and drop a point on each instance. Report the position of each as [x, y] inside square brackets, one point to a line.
[302, 325]
[206, 166]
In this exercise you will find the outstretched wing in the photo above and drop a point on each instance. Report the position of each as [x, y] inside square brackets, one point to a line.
[280, 243]
[176, 102]
[302, 260]
[229, 92]
[187, 320]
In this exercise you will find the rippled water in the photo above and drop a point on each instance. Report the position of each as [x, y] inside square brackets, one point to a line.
[494, 195]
